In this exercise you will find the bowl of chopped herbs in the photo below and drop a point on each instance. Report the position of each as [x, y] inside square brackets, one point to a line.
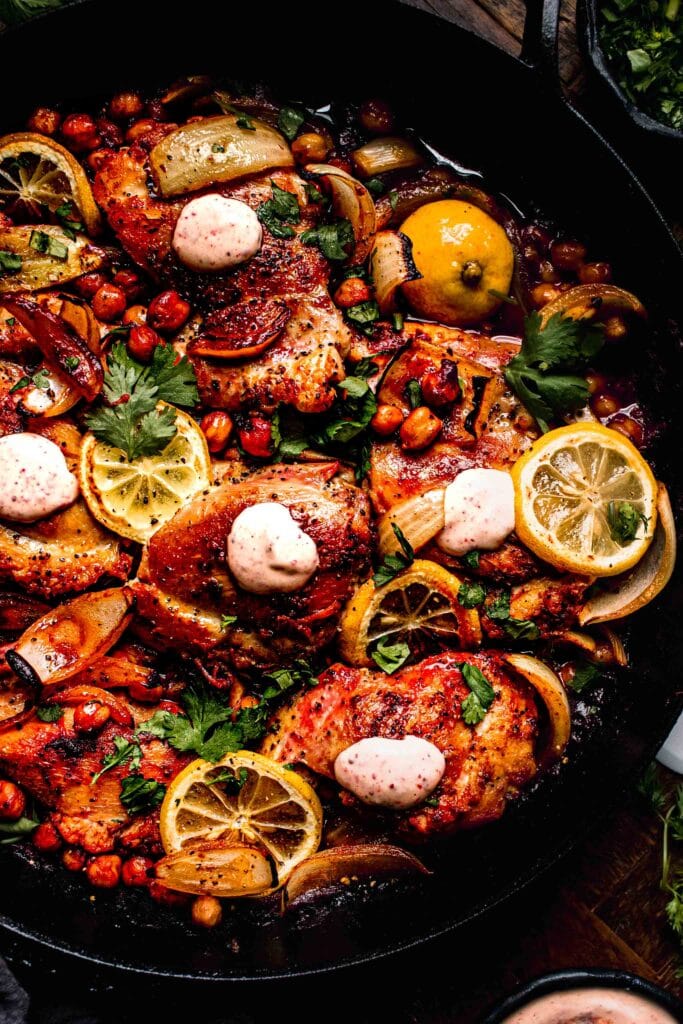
[636, 48]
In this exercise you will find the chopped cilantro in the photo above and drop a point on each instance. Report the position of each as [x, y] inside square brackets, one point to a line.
[10, 262]
[124, 750]
[278, 212]
[230, 780]
[227, 621]
[335, 241]
[471, 559]
[139, 794]
[584, 676]
[49, 712]
[624, 520]
[281, 679]
[49, 246]
[393, 198]
[313, 192]
[475, 706]
[396, 563]
[375, 186]
[289, 120]
[471, 595]
[517, 629]
[414, 393]
[71, 362]
[389, 657]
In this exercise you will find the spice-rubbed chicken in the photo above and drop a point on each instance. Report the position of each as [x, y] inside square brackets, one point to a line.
[485, 766]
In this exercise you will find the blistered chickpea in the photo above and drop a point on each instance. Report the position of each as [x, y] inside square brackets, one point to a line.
[168, 311]
[534, 234]
[351, 292]
[567, 255]
[386, 420]
[604, 404]
[89, 284]
[168, 897]
[137, 871]
[79, 133]
[125, 105]
[142, 341]
[139, 128]
[256, 436]
[104, 872]
[311, 147]
[74, 859]
[595, 273]
[420, 429]
[217, 427]
[12, 801]
[206, 911]
[376, 117]
[596, 383]
[135, 315]
[45, 121]
[46, 838]
[129, 282]
[547, 272]
[91, 715]
[615, 328]
[542, 294]
[110, 134]
[629, 427]
[109, 303]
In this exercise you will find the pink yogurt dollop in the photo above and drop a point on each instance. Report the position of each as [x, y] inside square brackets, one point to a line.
[392, 773]
[35, 480]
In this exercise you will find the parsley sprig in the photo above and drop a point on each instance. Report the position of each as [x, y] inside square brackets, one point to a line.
[139, 794]
[481, 697]
[623, 520]
[390, 657]
[672, 834]
[279, 212]
[517, 629]
[392, 565]
[130, 419]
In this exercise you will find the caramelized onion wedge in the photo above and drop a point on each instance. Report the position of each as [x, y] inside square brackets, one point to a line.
[551, 691]
[388, 153]
[216, 149]
[120, 712]
[351, 200]
[214, 869]
[40, 270]
[419, 519]
[325, 869]
[590, 299]
[71, 637]
[645, 581]
[391, 265]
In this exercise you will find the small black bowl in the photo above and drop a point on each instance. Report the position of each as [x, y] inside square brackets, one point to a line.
[589, 36]
[562, 981]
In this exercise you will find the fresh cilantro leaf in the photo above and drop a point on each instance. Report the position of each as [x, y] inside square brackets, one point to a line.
[389, 657]
[48, 245]
[230, 780]
[363, 315]
[335, 241]
[392, 565]
[375, 186]
[623, 520]
[471, 559]
[10, 262]
[279, 212]
[393, 198]
[71, 362]
[584, 676]
[517, 629]
[227, 621]
[472, 711]
[354, 386]
[289, 120]
[124, 750]
[397, 321]
[471, 595]
[475, 706]
[14, 831]
[414, 393]
[136, 435]
[139, 794]
[68, 220]
[281, 679]
[23, 382]
[432, 801]
[651, 788]
[10, 321]
[41, 379]
[543, 374]
[245, 122]
[174, 378]
[348, 420]
[49, 712]
[313, 192]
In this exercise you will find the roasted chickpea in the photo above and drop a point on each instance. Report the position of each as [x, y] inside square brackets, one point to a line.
[217, 428]
[104, 871]
[88, 285]
[46, 838]
[595, 273]
[604, 404]
[547, 272]
[615, 328]
[567, 255]
[166, 896]
[148, 692]
[206, 911]
[45, 121]
[96, 159]
[74, 860]
[125, 105]
[79, 133]
[129, 282]
[91, 715]
[135, 315]
[420, 429]
[256, 436]
[157, 110]
[110, 134]
[376, 117]
[534, 234]
[142, 341]
[139, 128]
[137, 871]
[542, 294]
[386, 420]
[12, 801]
[168, 311]
[531, 255]
[109, 303]
[441, 387]
[351, 292]
[629, 427]
[311, 147]
[596, 383]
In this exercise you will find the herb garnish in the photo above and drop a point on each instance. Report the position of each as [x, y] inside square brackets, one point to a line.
[281, 679]
[313, 192]
[68, 219]
[471, 559]
[10, 262]
[375, 186]
[517, 629]
[139, 794]
[227, 621]
[396, 563]
[363, 316]
[130, 420]
[232, 781]
[543, 374]
[49, 246]
[124, 750]
[289, 121]
[471, 595]
[243, 121]
[481, 698]
[585, 674]
[335, 241]
[389, 657]
[623, 520]
[40, 379]
[414, 393]
[672, 832]
[14, 831]
[279, 212]
[49, 712]
[393, 198]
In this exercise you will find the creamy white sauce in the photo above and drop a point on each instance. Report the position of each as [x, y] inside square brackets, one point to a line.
[479, 509]
[581, 1006]
[216, 233]
[34, 478]
[269, 552]
[393, 773]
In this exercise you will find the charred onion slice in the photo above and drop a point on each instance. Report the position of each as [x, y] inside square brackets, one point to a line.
[549, 688]
[241, 331]
[419, 518]
[435, 183]
[18, 695]
[215, 869]
[120, 712]
[645, 581]
[111, 673]
[18, 611]
[326, 869]
[391, 265]
[216, 149]
[61, 346]
[69, 638]
[40, 270]
[352, 201]
[388, 153]
[590, 300]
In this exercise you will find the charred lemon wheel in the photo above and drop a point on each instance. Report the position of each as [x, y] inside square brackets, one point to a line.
[419, 607]
[244, 798]
[465, 259]
[585, 500]
[134, 499]
[36, 174]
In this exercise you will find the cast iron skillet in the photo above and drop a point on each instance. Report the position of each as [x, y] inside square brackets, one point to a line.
[488, 111]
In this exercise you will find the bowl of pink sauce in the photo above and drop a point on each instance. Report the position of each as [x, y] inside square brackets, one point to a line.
[589, 997]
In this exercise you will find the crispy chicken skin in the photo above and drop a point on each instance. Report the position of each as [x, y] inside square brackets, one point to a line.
[485, 766]
[184, 585]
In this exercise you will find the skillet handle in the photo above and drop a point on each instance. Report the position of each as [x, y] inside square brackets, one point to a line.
[539, 44]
